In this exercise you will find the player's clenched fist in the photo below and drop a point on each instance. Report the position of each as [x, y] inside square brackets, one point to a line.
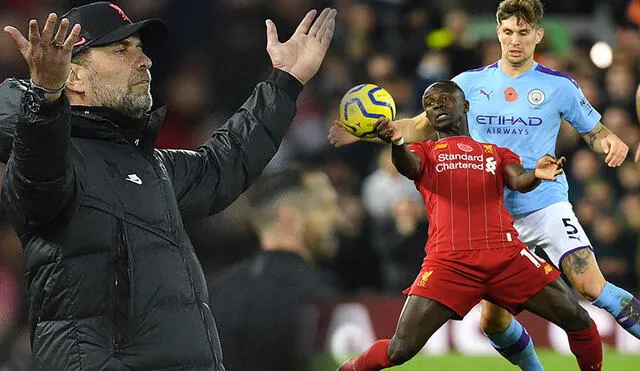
[48, 54]
[387, 130]
[549, 167]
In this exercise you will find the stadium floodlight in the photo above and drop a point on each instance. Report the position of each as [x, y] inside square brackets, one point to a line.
[601, 54]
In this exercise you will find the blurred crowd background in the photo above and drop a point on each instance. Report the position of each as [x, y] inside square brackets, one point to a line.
[216, 54]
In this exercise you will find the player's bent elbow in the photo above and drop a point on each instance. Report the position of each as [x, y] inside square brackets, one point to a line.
[526, 189]
[524, 186]
[517, 187]
[410, 174]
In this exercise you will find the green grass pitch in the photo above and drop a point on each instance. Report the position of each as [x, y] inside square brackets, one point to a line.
[551, 361]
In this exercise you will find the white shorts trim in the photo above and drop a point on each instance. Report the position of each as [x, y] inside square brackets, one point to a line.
[555, 229]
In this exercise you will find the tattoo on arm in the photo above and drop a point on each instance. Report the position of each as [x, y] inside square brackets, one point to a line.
[593, 137]
[578, 262]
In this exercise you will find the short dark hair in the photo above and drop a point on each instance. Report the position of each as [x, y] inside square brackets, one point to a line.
[271, 186]
[529, 11]
[447, 83]
[286, 186]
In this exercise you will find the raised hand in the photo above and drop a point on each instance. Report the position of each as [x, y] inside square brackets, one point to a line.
[303, 53]
[48, 56]
[387, 130]
[548, 167]
[339, 136]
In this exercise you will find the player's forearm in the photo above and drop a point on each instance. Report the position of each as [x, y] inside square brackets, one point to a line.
[373, 140]
[407, 128]
[407, 162]
[525, 182]
[415, 129]
[595, 136]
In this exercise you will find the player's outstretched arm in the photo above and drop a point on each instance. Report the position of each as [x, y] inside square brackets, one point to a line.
[547, 168]
[414, 129]
[407, 162]
[602, 141]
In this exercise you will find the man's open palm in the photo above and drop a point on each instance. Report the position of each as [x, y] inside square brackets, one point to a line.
[48, 53]
[303, 53]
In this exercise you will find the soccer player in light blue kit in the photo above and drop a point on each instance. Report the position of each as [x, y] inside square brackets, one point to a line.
[519, 104]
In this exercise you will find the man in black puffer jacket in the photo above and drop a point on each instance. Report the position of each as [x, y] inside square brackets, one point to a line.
[113, 281]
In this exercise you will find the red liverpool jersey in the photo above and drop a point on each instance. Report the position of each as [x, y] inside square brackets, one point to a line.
[461, 181]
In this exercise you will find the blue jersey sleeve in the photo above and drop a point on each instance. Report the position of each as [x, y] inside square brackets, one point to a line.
[575, 108]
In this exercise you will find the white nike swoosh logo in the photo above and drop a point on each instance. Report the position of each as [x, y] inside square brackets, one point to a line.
[134, 179]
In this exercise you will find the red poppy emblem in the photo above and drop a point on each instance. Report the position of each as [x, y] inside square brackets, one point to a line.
[510, 94]
[465, 147]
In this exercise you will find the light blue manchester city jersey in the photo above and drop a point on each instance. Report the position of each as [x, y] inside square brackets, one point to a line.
[524, 115]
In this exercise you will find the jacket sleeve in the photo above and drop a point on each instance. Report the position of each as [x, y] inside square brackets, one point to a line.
[210, 178]
[38, 180]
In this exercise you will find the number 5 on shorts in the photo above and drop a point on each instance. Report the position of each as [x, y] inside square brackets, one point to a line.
[535, 259]
[572, 231]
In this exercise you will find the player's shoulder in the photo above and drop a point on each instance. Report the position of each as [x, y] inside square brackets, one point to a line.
[470, 75]
[490, 148]
[487, 68]
[424, 144]
[556, 77]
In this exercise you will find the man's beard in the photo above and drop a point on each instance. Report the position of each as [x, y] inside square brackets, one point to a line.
[122, 99]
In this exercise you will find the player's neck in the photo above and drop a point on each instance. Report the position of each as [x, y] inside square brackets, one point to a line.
[457, 129]
[290, 242]
[449, 134]
[515, 71]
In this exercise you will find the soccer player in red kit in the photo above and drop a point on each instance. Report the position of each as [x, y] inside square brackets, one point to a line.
[473, 252]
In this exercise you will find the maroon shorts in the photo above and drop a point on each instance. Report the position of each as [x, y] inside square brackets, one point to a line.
[507, 277]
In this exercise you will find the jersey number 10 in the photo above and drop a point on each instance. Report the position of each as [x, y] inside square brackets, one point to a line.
[535, 259]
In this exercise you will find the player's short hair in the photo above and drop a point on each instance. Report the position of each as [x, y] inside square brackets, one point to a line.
[448, 83]
[528, 11]
[283, 186]
[271, 185]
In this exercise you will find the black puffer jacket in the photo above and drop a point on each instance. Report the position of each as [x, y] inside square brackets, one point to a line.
[113, 281]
